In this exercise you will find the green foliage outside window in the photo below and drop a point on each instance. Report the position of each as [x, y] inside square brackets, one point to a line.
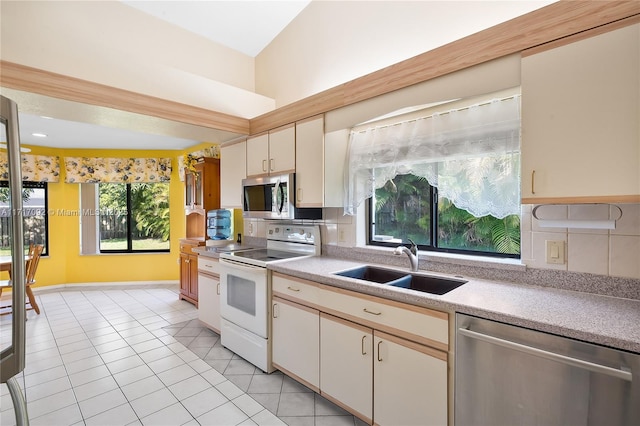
[403, 211]
[134, 217]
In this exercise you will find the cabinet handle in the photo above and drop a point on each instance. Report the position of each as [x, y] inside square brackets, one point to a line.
[371, 312]
[218, 289]
[274, 310]
[186, 261]
[379, 357]
[264, 165]
[299, 194]
[364, 349]
[293, 288]
[533, 181]
[271, 167]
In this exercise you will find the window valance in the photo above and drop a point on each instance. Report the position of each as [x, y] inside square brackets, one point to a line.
[117, 170]
[472, 155]
[35, 168]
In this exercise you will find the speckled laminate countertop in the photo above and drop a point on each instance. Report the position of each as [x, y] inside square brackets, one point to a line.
[605, 320]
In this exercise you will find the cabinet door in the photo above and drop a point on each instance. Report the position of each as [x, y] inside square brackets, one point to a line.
[193, 277]
[410, 383]
[296, 341]
[189, 188]
[310, 163]
[258, 155]
[580, 113]
[209, 300]
[282, 150]
[233, 168]
[346, 365]
[184, 274]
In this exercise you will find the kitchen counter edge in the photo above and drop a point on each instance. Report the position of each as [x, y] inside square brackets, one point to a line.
[604, 320]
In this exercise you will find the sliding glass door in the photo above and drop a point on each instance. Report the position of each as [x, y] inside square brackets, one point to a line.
[13, 323]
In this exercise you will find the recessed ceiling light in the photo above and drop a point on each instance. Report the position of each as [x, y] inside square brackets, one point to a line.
[46, 118]
[39, 135]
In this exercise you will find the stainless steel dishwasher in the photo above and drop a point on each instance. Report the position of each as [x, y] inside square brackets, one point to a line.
[507, 375]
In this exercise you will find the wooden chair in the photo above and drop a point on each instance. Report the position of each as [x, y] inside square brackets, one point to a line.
[33, 258]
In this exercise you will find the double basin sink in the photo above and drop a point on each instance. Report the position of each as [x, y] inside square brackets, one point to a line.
[410, 280]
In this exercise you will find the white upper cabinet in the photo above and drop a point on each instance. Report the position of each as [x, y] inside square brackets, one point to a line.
[272, 153]
[233, 169]
[581, 120]
[310, 162]
[320, 160]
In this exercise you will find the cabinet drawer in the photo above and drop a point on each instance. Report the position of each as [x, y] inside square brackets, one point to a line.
[411, 322]
[187, 248]
[207, 264]
[296, 289]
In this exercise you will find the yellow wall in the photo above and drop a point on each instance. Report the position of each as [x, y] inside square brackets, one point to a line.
[65, 264]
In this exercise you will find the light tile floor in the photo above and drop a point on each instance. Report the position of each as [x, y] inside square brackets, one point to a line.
[134, 356]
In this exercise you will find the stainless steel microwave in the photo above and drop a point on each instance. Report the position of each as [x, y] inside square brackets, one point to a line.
[273, 197]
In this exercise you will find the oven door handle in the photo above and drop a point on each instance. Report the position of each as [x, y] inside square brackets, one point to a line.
[240, 265]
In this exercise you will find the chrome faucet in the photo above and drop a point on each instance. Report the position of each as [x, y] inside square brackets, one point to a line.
[411, 252]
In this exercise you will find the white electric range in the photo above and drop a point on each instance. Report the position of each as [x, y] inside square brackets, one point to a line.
[245, 289]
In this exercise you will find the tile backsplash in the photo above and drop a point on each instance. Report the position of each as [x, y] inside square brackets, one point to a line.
[614, 252]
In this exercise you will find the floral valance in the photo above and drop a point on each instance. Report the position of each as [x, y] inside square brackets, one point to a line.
[117, 170]
[212, 152]
[35, 168]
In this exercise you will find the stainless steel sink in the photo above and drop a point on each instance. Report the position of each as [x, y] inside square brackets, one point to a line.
[373, 273]
[413, 281]
[428, 283]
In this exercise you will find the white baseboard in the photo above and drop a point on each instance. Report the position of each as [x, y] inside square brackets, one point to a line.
[101, 286]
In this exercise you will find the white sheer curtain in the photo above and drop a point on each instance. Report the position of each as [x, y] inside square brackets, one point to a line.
[472, 155]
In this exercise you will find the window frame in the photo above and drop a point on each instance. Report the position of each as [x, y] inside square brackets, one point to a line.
[433, 237]
[129, 249]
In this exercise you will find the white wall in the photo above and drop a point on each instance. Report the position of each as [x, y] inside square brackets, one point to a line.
[113, 44]
[332, 42]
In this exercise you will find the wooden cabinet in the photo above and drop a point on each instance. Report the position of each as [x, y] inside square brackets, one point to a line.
[296, 341]
[209, 293]
[272, 153]
[233, 168]
[580, 115]
[383, 361]
[189, 271]
[202, 193]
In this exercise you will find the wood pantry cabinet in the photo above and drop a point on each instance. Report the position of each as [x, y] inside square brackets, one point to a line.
[383, 361]
[272, 153]
[580, 115]
[188, 271]
[202, 193]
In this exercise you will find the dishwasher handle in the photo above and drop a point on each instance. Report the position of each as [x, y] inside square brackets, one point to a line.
[596, 368]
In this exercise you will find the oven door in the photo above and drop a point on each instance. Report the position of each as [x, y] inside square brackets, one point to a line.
[244, 296]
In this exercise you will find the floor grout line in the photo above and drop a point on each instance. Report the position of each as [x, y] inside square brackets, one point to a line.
[73, 321]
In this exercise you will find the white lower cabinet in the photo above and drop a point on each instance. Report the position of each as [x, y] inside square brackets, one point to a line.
[362, 353]
[295, 344]
[346, 364]
[409, 382]
[209, 293]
